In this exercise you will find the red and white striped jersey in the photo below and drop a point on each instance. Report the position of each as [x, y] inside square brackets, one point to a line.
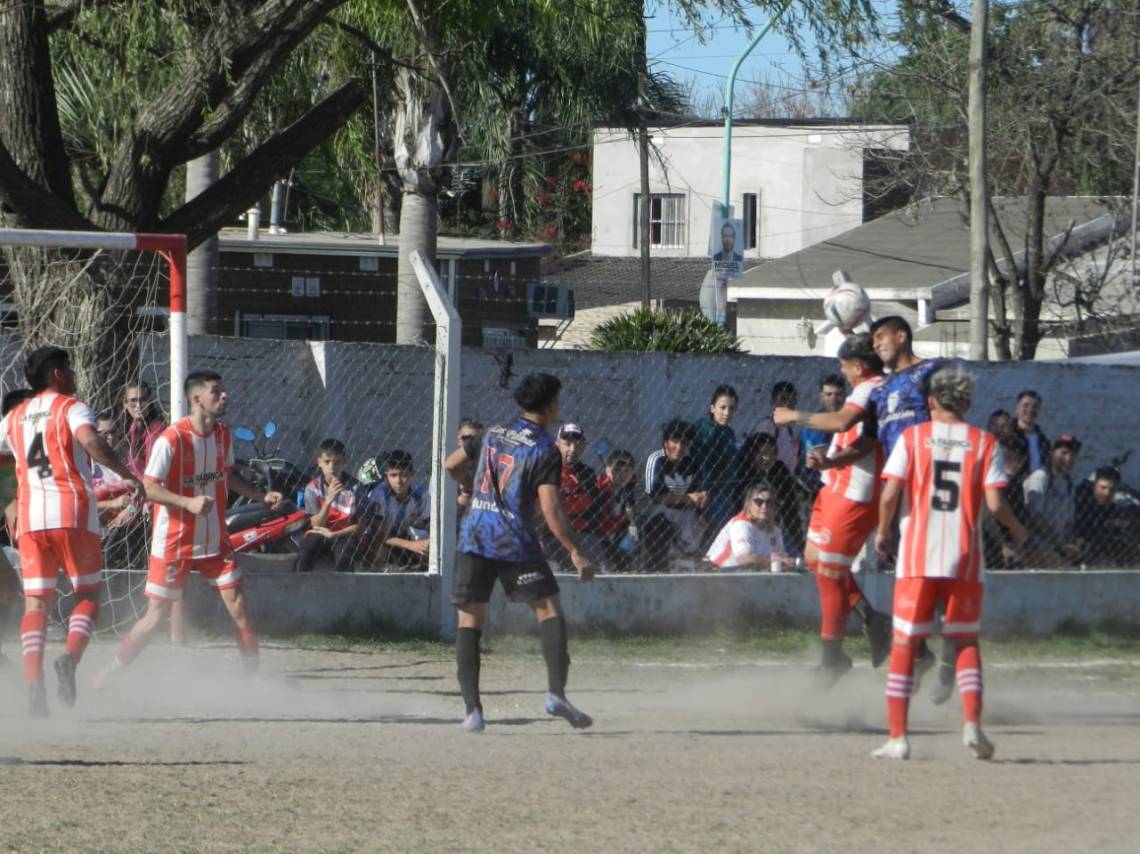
[190, 464]
[858, 481]
[52, 468]
[946, 468]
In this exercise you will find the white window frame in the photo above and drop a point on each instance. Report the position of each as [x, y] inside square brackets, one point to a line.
[242, 317]
[670, 219]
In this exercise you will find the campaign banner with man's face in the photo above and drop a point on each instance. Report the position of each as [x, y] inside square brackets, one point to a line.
[726, 243]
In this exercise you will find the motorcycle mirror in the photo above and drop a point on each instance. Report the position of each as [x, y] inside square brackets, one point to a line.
[270, 429]
[601, 448]
[244, 433]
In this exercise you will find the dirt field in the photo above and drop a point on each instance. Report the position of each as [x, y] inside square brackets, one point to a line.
[358, 751]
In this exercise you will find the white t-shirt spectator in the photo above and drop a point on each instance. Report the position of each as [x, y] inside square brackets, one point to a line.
[741, 538]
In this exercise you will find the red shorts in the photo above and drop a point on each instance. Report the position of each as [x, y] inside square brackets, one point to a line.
[166, 578]
[839, 528]
[916, 599]
[77, 552]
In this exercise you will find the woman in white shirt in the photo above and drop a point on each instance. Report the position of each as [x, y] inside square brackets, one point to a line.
[751, 539]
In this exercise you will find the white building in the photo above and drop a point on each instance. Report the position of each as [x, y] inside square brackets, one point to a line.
[794, 183]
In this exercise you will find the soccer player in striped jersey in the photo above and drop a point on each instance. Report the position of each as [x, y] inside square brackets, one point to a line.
[53, 439]
[188, 475]
[940, 472]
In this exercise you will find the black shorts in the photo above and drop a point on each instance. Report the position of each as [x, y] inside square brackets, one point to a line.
[522, 582]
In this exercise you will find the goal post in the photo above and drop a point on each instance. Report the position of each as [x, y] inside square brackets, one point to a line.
[171, 247]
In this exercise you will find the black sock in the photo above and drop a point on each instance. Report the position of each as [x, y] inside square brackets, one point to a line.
[556, 655]
[832, 652]
[948, 664]
[864, 610]
[467, 666]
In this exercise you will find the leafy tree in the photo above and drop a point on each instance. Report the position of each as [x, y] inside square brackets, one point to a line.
[649, 331]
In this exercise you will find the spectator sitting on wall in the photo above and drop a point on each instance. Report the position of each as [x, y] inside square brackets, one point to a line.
[619, 494]
[333, 500]
[999, 423]
[759, 464]
[398, 516]
[713, 451]
[784, 396]
[1050, 508]
[1102, 529]
[1028, 410]
[999, 547]
[470, 430]
[673, 485]
[832, 394]
[751, 539]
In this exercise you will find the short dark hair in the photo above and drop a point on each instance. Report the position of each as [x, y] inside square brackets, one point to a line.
[537, 391]
[620, 457]
[399, 460]
[200, 378]
[757, 439]
[833, 380]
[105, 415]
[782, 388]
[860, 348]
[14, 398]
[41, 362]
[723, 390]
[895, 323]
[1014, 442]
[468, 421]
[1028, 392]
[1107, 473]
[678, 428]
[332, 447]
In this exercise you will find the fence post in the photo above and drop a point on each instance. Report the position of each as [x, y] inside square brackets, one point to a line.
[445, 423]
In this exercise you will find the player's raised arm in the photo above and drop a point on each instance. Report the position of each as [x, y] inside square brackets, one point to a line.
[824, 422]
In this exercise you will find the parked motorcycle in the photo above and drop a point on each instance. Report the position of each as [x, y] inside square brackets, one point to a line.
[252, 526]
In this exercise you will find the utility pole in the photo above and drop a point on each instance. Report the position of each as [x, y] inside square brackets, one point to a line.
[1136, 189]
[646, 203]
[979, 224]
[202, 262]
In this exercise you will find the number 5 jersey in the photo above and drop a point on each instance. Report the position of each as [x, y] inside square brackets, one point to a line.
[52, 468]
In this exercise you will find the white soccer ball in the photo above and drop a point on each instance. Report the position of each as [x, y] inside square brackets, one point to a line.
[847, 305]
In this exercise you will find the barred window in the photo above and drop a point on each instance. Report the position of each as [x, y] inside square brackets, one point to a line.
[666, 220]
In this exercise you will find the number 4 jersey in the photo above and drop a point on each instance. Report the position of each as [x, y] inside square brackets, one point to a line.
[945, 467]
[52, 468]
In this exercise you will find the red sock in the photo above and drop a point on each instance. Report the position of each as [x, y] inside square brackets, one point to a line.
[833, 609]
[970, 682]
[900, 680]
[33, 637]
[80, 627]
[246, 641]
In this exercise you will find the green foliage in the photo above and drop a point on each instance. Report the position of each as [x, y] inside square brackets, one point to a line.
[648, 331]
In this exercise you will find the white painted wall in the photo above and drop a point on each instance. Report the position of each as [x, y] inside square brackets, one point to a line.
[809, 181]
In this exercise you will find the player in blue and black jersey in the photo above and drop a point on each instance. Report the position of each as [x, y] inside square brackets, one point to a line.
[900, 400]
[507, 472]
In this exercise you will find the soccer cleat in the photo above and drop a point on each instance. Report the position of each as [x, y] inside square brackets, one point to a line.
[895, 748]
[922, 666]
[975, 739]
[473, 722]
[65, 671]
[943, 689]
[37, 700]
[560, 707]
[827, 674]
[877, 630]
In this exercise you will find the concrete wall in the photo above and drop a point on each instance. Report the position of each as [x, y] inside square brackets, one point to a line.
[809, 182]
[1016, 604]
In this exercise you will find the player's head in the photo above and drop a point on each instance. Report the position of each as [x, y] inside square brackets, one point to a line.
[571, 442]
[14, 398]
[832, 392]
[1064, 455]
[206, 393]
[398, 472]
[538, 395]
[951, 391]
[1028, 408]
[858, 359]
[759, 451]
[727, 239]
[331, 455]
[722, 405]
[892, 339]
[676, 436]
[50, 367]
[784, 394]
[620, 467]
[1106, 481]
[140, 403]
[758, 504]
